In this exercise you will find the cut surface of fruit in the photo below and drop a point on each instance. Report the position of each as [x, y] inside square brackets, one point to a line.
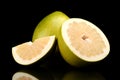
[29, 52]
[23, 76]
[84, 39]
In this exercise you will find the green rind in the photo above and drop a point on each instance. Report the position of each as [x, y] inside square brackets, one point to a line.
[49, 25]
[68, 55]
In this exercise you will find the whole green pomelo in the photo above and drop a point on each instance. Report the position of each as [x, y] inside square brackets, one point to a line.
[50, 25]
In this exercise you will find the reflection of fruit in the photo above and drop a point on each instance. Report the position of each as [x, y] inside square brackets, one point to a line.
[80, 41]
[23, 76]
[32, 74]
[49, 25]
[28, 52]
[77, 75]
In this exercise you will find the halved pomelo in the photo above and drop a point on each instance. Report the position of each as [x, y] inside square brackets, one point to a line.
[23, 76]
[30, 52]
[81, 41]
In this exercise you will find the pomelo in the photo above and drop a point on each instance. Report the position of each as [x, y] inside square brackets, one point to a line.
[49, 25]
[81, 42]
[31, 52]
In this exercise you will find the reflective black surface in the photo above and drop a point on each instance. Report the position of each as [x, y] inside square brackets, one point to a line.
[60, 72]
[18, 23]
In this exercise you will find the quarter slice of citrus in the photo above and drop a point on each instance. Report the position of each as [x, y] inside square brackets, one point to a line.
[82, 41]
[30, 52]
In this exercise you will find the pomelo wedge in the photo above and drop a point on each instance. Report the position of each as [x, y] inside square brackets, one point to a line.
[30, 52]
[49, 25]
[81, 41]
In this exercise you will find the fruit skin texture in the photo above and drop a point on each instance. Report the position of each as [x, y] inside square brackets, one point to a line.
[49, 25]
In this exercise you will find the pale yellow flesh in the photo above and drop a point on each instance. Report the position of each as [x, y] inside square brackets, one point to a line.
[85, 39]
[29, 51]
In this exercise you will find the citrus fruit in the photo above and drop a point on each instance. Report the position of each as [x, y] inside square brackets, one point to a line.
[23, 76]
[49, 25]
[30, 52]
[81, 41]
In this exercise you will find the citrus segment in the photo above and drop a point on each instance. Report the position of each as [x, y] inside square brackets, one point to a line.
[84, 40]
[29, 52]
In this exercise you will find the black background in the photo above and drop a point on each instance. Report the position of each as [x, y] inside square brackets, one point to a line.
[19, 20]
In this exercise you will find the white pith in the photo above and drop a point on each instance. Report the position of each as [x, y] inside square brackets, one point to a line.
[67, 41]
[17, 75]
[19, 60]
